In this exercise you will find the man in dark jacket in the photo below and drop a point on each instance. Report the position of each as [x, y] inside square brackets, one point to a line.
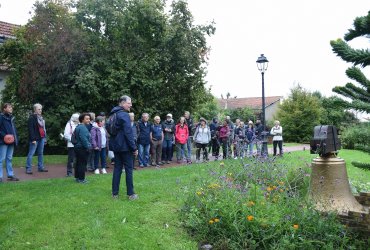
[124, 148]
[169, 137]
[37, 139]
[143, 140]
[7, 128]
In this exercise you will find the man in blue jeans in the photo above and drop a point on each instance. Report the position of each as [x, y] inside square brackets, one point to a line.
[37, 139]
[143, 140]
[168, 127]
[124, 148]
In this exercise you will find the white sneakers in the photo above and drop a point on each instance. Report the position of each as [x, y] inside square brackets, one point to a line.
[103, 171]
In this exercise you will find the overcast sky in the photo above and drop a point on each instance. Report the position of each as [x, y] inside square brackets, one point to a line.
[294, 36]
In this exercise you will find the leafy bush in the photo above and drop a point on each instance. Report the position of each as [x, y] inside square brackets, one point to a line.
[357, 136]
[258, 204]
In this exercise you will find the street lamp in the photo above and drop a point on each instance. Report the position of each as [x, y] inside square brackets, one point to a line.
[262, 64]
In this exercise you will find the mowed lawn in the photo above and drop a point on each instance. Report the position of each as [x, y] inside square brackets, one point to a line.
[61, 214]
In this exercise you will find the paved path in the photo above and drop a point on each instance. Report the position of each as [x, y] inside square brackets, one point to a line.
[59, 170]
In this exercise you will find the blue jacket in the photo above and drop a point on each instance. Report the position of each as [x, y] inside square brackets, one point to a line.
[83, 137]
[250, 133]
[157, 132]
[144, 133]
[7, 127]
[124, 140]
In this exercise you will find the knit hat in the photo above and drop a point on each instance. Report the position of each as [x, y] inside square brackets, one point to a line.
[169, 115]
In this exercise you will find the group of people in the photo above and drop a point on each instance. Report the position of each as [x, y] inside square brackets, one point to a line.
[89, 142]
[238, 139]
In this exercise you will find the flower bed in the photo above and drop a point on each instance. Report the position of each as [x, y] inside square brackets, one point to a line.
[259, 204]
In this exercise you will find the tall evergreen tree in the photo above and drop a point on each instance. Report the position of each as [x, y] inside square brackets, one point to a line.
[359, 93]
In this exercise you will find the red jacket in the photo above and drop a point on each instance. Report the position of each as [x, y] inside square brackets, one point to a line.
[182, 133]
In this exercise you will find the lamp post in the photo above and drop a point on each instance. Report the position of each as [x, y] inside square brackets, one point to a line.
[262, 64]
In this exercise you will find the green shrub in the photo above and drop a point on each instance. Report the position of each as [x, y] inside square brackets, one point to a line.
[259, 204]
[356, 136]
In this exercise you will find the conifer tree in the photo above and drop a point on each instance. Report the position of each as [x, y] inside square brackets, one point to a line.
[359, 93]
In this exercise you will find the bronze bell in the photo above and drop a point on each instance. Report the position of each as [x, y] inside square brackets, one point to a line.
[329, 189]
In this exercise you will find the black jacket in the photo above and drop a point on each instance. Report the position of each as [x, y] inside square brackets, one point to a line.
[190, 124]
[33, 129]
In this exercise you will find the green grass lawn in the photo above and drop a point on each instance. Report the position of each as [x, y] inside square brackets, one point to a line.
[48, 160]
[61, 214]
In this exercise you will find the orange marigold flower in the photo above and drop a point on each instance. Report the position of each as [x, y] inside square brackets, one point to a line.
[269, 189]
[216, 220]
[296, 226]
[211, 221]
[250, 217]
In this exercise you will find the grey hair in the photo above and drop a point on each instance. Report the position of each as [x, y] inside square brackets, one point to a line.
[145, 114]
[124, 98]
[37, 105]
[99, 119]
[131, 114]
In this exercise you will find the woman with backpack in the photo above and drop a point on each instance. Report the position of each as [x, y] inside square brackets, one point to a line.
[202, 137]
[181, 138]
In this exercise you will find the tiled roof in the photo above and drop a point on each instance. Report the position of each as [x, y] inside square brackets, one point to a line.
[6, 29]
[251, 102]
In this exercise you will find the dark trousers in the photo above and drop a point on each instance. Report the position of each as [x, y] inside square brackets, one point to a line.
[102, 154]
[276, 143]
[205, 151]
[123, 159]
[225, 148]
[90, 160]
[71, 158]
[215, 147]
[81, 162]
[167, 151]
